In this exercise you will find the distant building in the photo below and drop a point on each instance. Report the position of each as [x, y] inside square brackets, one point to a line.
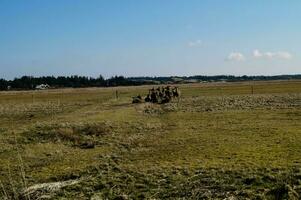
[191, 81]
[9, 87]
[42, 87]
[177, 80]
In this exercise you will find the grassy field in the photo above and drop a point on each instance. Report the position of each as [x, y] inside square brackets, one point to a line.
[219, 142]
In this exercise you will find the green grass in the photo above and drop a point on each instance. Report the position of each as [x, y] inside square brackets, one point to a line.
[219, 141]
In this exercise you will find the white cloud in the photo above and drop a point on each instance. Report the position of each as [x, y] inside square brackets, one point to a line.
[256, 54]
[196, 43]
[271, 55]
[236, 56]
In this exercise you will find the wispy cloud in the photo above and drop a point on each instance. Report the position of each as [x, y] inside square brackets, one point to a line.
[195, 43]
[271, 55]
[235, 56]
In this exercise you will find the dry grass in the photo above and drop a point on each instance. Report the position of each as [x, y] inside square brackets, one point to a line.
[219, 142]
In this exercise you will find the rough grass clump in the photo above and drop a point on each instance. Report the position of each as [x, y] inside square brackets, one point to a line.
[241, 102]
[156, 109]
[27, 110]
[112, 181]
[150, 109]
[45, 190]
[248, 184]
[81, 135]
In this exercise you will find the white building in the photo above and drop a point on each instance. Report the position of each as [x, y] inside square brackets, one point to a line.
[42, 87]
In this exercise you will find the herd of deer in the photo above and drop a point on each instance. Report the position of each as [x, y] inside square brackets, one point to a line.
[159, 95]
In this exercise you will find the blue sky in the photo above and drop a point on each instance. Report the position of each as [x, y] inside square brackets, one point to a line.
[149, 37]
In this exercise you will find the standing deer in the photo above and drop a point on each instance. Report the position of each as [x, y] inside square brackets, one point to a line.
[176, 93]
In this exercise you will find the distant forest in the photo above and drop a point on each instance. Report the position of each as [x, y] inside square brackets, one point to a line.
[30, 82]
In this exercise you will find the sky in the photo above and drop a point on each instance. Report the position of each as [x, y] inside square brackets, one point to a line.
[149, 37]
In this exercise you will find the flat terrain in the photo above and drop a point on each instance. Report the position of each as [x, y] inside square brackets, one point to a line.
[219, 142]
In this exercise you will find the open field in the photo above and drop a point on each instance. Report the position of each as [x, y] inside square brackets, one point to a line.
[219, 142]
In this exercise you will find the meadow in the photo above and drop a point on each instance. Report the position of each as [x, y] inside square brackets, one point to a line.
[220, 141]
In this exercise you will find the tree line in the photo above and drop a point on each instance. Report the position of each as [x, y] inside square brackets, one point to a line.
[30, 82]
